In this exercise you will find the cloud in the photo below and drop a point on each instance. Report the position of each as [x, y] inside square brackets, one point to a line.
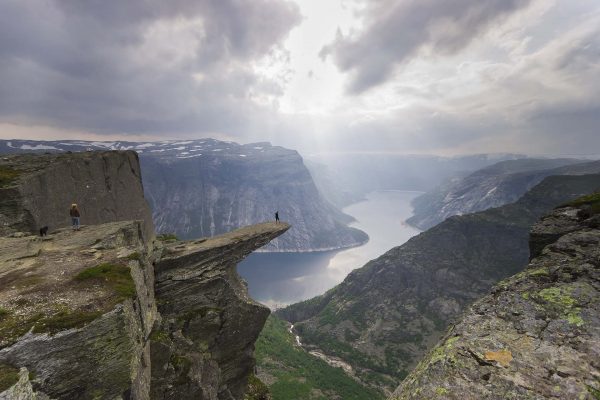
[396, 30]
[139, 66]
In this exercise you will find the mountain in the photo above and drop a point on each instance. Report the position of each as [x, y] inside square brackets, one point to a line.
[385, 316]
[208, 187]
[536, 335]
[346, 178]
[489, 187]
[110, 312]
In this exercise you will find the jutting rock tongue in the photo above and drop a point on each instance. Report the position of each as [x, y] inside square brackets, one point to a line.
[204, 346]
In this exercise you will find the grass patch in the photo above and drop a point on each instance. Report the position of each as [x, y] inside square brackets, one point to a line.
[300, 375]
[257, 390]
[135, 256]
[593, 200]
[8, 175]
[167, 237]
[9, 375]
[115, 276]
[63, 320]
[3, 313]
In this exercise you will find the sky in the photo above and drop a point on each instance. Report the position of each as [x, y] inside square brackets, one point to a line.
[394, 76]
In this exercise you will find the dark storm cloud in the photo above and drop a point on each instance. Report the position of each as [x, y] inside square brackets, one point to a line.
[396, 30]
[136, 66]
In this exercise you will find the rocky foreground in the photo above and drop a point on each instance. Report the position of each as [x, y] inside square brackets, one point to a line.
[110, 311]
[537, 335]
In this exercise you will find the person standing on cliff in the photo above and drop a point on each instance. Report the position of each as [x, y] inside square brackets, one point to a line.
[75, 215]
[276, 217]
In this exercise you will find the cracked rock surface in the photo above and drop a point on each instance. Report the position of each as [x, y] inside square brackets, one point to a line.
[536, 335]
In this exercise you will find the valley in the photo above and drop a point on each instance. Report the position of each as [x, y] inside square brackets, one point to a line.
[278, 279]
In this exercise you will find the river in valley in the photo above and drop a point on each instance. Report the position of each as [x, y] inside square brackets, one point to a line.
[278, 279]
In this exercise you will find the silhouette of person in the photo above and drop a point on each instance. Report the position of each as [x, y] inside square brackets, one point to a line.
[277, 217]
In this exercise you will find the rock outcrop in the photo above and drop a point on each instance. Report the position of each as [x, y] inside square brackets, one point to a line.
[37, 190]
[111, 312]
[537, 334]
[385, 316]
[203, 348]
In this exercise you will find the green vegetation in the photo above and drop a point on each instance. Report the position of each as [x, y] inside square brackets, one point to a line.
[592, 200]
[9, 375]
[117, 277]
[379, 371]
[158, 335]
[63, 320]
[303, 375]
[257, 390]
[3, 313]
[135, 256]
[167, 237]
[8, 176]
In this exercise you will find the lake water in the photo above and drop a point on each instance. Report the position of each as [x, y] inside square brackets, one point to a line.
[278, 279]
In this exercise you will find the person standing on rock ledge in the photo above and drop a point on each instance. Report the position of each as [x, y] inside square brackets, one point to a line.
[276, 217]
[75, 215]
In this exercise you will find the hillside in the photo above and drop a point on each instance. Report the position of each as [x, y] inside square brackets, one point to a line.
[293, 373]
[209, 187]
[386, 315]
[536, 335]
[489, 187]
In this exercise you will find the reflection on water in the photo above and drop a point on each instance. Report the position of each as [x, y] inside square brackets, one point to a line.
[277, 279]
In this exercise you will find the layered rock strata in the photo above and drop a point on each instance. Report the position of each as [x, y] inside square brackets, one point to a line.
[537, 334]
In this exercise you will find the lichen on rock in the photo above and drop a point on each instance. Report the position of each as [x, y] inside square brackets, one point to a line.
[537, 335]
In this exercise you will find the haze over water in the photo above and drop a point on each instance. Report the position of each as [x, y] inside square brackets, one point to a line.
[278, 279]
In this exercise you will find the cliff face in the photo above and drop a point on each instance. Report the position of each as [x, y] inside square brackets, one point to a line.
[208, 187]
[39, 189]
[203, 348]
[386, 315]
[108, 312]
[537, 335]
[493, 186]
[225, 186]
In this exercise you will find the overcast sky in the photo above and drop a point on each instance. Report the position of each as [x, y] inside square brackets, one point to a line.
[408, 76]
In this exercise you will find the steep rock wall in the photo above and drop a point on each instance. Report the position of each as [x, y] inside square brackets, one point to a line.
[106, 186]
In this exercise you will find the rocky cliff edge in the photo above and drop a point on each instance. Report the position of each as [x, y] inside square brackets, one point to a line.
[537, 334]
[110, 312]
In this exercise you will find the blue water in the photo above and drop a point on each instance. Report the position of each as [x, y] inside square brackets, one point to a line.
[278, 279]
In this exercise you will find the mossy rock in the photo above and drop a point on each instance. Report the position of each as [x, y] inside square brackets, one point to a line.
[8, 176]
[9, 375]
[167, 237]
[63, 320]
[116, 276]
[592, 200]
[257, 390]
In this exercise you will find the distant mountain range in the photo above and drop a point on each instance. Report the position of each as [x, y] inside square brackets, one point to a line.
[346, 178]
[207, 187]
[386, 315]
[493, 186]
